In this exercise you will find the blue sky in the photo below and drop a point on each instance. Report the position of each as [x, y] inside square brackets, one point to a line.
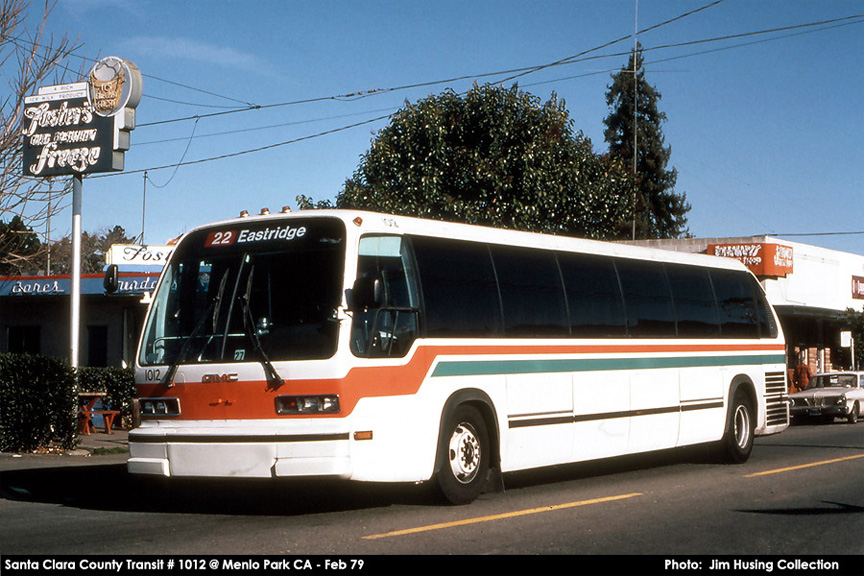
[766, 131]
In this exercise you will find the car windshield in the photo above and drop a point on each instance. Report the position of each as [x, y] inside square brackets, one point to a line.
[247, 292]
[832, 381]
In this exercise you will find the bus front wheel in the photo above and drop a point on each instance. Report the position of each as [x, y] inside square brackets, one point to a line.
[737, 442]
[463, 454]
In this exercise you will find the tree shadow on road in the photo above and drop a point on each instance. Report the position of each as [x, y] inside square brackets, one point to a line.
[695, 455]
[111, 487]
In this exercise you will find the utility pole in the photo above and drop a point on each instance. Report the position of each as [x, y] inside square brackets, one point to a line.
[143, 207]
[635, 113]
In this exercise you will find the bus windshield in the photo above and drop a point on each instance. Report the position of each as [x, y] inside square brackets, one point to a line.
[249, 292]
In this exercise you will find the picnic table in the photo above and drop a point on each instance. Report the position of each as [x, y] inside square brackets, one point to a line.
[87, 409]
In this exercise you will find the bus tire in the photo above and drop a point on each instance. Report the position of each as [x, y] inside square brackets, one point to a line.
[737, 442]
[463, 456]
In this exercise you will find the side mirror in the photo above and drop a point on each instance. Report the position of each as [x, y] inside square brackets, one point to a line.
[366, 293]
[111, 281]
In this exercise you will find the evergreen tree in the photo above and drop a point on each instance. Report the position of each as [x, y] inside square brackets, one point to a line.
[495, 156]
[660, 211]
[19, 246]
[22, 253]
[94, 246]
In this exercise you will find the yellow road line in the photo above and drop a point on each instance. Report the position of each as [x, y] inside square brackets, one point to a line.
[500, 516]
[789, 469]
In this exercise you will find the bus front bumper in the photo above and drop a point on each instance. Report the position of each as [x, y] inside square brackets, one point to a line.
[182, 452]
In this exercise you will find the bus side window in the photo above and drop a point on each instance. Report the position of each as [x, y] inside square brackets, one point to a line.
[460, 294]
[385, 299]
[767, 325]
[532, 295]
[739, 317]
[693, 297]
[647, 299]
[593, 296]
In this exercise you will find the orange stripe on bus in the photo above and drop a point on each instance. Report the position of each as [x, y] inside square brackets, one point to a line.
[253, 399]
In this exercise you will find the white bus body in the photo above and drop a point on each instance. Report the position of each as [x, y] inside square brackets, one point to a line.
[382, 348]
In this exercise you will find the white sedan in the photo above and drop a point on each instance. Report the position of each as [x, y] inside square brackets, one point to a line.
[828, 396]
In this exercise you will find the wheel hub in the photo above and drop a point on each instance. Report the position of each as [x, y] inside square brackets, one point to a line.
[464, 453]
[742, 426]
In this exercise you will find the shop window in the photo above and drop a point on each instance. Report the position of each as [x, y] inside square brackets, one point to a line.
[23, 339]
[97, 345]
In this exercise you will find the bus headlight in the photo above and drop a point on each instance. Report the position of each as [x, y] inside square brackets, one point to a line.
[155, 407]
[312, 404]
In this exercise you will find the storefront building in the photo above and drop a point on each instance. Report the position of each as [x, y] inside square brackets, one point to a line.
[810, 287]
[35, 311]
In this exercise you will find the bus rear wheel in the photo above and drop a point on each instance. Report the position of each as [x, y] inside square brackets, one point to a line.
[737, 442]
[463, 456]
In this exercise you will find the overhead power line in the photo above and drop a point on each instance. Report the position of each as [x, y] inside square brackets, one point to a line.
[267, 127]
[574, 57]
[86, 59]
[244, 152]
[855, 19]
[859, 232]
[648, 63]
[515, 72]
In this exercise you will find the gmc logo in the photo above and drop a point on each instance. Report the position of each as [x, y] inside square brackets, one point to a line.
[209, 378]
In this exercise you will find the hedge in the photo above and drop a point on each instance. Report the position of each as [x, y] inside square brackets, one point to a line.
[117, 383]
[39, 402]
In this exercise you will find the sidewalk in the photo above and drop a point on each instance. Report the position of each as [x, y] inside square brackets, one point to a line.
[96, 448]
[118, 439]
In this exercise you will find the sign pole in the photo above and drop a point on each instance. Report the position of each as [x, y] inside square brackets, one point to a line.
[78, 128]
[75, 324]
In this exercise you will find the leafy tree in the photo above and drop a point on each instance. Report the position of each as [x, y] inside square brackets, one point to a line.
[494, 156]
[29, 59]
[660, 211]
[18, 245]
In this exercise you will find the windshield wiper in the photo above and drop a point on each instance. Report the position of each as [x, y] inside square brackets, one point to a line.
[274, 381]
[211, 312]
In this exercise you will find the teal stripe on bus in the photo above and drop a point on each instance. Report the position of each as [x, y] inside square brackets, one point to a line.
[555, 365]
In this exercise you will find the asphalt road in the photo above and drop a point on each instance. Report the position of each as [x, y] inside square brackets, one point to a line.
[801, 492]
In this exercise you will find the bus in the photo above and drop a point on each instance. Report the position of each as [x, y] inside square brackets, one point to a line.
[382, 348]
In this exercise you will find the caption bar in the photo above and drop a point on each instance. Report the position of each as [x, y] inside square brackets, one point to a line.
[93, 565]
